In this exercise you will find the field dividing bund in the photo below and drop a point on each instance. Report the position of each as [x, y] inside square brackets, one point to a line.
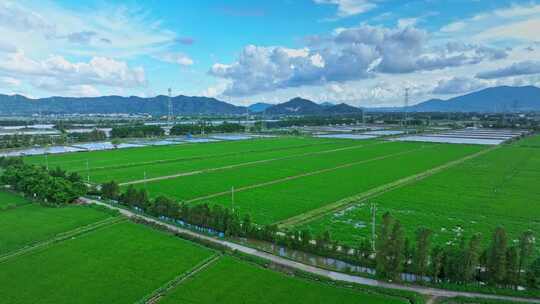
[280, 201]
[230, 280]
[31, 224]
[370, 194]
[499, 188]
[134, 164]
[121, 263]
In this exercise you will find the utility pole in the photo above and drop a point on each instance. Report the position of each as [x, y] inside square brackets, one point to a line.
[232, 198]
[373, 220]
[87, 171]
[47, 160]
[144, 179]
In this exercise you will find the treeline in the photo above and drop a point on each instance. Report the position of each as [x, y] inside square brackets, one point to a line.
[199, 128]
[501, 264]
[94, 135]
[137, 131]
[22, 140]
[314, 121]
[52, 187]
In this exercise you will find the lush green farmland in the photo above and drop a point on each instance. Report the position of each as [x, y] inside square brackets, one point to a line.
[190, 187]
[498, 188]
[8, 200]
[121, 263]
[131, 164]
[231, 281]
[31, 223]
[283, 200]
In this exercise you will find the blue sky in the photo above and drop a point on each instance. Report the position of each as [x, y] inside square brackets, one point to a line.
[362, 52]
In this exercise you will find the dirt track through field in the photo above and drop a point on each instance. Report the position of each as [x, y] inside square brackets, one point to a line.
[285, 179]
[256, 162]
[374, 192]
[60, 237]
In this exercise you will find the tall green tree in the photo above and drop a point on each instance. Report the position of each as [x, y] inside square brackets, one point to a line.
[496, 257]
[526, 247]
[110, 190]
[384, 245]
[421, 252]
[396, 256]
[512, 267]
[472, 257]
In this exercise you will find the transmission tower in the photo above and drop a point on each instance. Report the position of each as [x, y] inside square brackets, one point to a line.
[170, 108]
[406, 109]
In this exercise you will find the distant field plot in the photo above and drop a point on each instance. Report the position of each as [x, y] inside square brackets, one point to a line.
[121, 263]
[191, 187]
[498, 188]
[132, 164]
[8, 200]
[231, 281]
[32, 223]
[277, 202]
[137, 172]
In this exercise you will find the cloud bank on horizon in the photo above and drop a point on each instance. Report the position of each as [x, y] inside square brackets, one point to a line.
[362, 52]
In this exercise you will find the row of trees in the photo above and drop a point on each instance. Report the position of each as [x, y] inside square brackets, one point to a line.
[137, 131]
[199, 128]
[94, 135]
[52, 187]
[500, 264]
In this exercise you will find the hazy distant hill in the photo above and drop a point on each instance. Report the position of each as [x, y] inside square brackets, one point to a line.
[182, 105]
[495, 99]
[300, 106]
[259, 107]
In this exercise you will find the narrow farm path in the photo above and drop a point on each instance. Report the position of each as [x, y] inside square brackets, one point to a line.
[256, 162]
[333, 275]
[162, 291]
[374, 192]
[61, 237]
[288, 178]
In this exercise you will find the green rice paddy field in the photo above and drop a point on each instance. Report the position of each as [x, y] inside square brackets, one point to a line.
[32, 223]
[279, 178]
[121, 263]
[232, 281]
[124, 262]
[126, 165]
[497, 188]
[8, 200]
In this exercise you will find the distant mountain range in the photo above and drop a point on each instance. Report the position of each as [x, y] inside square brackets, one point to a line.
[496, 99]
[300, 106]
[182, 105]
